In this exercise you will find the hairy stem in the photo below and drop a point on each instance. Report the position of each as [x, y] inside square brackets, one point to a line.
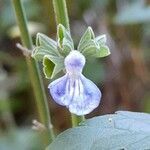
[34, 71]
[61, 15]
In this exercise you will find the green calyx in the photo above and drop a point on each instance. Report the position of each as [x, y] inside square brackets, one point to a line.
[53, 53]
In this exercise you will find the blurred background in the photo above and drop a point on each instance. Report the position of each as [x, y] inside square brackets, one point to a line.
[123, 77]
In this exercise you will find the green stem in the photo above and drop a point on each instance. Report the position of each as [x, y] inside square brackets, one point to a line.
[34, 70]
[76, 120]
[61, 15]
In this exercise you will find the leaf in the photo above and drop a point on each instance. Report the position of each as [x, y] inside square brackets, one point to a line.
[89, 51]
[67, 46]
[42, 39]
[94, 50]
[90, 43]
[65, 41]
[103, 51]
[48, 67]
[52, 65]
[120, 131]
[89, 48]
[87, 36]
[39, 52]
[44, 46]
[57, 69]
[47, 50]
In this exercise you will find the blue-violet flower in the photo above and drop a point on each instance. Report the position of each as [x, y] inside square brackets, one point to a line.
[73, 90]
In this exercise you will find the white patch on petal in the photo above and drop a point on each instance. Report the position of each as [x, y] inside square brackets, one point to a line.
[86, 99]
[74, 62]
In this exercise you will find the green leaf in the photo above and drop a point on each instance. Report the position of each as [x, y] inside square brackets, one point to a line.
[44, 46]
[123, 130]
[90, 49]
[87, 36]
[46, 49]
[52, 65]
[48, 67]
[57, 69]
[65, 41]
[103, 51]
[39, 52]
[90, 43]
[67, 46]
[42, 39]
[90, 46]
[95, 49]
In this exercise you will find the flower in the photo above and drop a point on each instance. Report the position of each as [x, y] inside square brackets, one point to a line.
[73, 90]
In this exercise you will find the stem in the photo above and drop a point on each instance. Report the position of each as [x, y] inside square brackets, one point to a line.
[61, 16]
[61, 13]
[76, 119]
[34, 71]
